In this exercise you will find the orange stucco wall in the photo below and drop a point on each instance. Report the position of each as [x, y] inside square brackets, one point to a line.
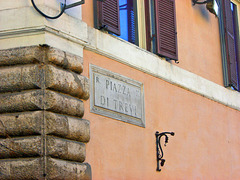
[206, 144]
[199, 41]
[207, 140]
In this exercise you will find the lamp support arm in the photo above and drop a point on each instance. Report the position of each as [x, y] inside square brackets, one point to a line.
[160, 160]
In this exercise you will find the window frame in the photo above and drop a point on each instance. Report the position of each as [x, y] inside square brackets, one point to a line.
[146, 28]
[227, 74]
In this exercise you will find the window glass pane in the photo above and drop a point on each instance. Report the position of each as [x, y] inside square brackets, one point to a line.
[232, 6]
[128, 19]
[153, 34]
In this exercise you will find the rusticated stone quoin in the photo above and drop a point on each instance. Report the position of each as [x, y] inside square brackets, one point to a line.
[41, 100]
[58, 169]
[65, 149]
[29, 123]
[22, 101]
[20, 147]
[67, 82]
[21, 168]
[32, 77]
[65, 60]
[42, 133]
[22, 55]
[41, 54]
[18, 78]
[32, 168]
[67, 127]
[21, 124]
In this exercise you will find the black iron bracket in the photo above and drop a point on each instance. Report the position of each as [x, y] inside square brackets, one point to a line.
[73, 4]
[63, 6]
[160, 160]
[76, 4]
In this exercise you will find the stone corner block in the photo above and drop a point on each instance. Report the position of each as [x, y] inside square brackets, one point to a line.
[66, 149]
[61, 169]
[21, 169]
[65, 60]
[67, 127]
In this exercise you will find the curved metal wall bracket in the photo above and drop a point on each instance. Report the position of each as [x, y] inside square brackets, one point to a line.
[73, 4]
[76, 4]
[159, 148]
[63, 6]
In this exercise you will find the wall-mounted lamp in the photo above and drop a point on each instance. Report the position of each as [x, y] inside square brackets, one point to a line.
[211, 5]
[159, 147]
[64, 6]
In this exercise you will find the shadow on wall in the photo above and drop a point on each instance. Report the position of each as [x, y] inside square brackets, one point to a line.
[203, 11]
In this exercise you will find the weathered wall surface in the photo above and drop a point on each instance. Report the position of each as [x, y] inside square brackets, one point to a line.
[42, 132]
[205, 145]
[44, 93]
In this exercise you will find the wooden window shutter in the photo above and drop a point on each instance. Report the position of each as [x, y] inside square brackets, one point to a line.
[132, 19]
[108, 16]
[166, 34]
[230, 44]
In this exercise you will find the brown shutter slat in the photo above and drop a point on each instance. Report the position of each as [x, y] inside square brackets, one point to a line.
[147, 22]
[108, 16]
[230, 44]
[166, 28]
